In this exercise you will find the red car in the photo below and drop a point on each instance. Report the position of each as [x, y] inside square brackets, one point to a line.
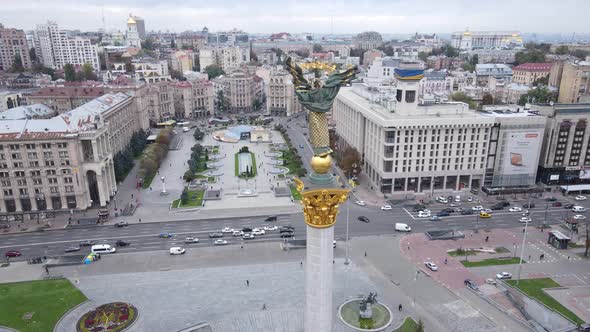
[12, 253]
[556, 204]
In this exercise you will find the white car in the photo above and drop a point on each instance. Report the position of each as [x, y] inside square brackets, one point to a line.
[477, 208]
[220, 242]
[270, 228]
[581, 198]
[579, 217]
[227, 230]
[431, 266]
[386, 208]
[504, 275]
[515, 209]
[237, 233]
[487, 210]
[525, 220]
[191, 239]
[248, 236]
[177, 251]
[423, 214]
[257, 231]
[455, 204]
[470, 199]
[360, 203]
[443, 200]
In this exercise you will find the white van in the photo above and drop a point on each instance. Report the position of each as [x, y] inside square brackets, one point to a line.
[402, 227]
[578, 208]
[457, 199]
[177, 251]
[103, 249]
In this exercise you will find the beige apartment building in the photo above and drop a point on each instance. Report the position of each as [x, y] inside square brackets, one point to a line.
[193, 100]
[280, 94]
[575, 82]
[528, 73]
[241, 90]
[66, 162]
[13, 42]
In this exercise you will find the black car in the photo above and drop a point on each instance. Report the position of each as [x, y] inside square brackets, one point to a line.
[271, 218]
[497, 207]
[287, 234]
[529, 206]
[467, 211]
[121, 243]
[215, 235]
[87, 243]
[448, 210]
[551, 199]
[504, 203]
[568, 206]
[285, 229]
[418, 208]
[363, 219]
[247, 230]
[443, 213]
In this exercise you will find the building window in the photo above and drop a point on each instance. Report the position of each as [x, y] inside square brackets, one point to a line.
[54, 190]
[52, 180]
[5, 183]
[37, 182]
[30, 146]
[32, 155]
[14, 146]
[49, 163]
[46, 145]
[18, 165]
[69, 189]
[62, 145]
[410, 96]
[16, 156]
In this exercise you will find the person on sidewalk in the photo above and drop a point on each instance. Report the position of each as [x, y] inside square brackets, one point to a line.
[247, 283]
[399, 307]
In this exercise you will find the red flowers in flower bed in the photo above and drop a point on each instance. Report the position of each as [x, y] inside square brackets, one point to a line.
[113, 317]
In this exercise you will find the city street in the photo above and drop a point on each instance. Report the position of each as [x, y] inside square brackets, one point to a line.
[144, 236]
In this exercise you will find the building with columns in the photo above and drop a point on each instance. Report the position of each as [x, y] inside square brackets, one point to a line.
[193, 100]
[468, 40]
[65, 162]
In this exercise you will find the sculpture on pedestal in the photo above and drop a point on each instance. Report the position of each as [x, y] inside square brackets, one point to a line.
[366, 306]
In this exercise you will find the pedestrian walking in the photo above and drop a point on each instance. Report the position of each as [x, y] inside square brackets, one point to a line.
[301, 264]
[247, 283]
[529, 257]
[399, 307]
[445, 261]
[487, 238]
[46, 269]
[365, 254]
[264, 306]
[140, 220]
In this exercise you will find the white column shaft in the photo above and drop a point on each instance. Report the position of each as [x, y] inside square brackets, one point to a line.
[319, 272]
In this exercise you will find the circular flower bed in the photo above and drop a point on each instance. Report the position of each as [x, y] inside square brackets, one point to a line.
[111, 317]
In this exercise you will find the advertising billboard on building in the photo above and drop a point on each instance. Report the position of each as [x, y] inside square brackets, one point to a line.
[521, 154]
[585, 173]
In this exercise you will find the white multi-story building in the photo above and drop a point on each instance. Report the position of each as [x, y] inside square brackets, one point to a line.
[226, 57]
[468, 40]
[55, 49]
[410, 148]
[381, 71]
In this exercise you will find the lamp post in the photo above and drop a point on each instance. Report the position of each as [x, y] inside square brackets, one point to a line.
[163, 179]
[522, 248]
[415, 283]
[515, 248]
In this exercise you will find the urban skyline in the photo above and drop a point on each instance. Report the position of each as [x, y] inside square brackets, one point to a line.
[317, 17]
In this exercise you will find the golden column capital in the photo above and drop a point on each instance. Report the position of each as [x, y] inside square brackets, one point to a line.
[320, 206]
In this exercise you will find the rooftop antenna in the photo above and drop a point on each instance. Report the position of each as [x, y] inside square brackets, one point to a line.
[104, 25]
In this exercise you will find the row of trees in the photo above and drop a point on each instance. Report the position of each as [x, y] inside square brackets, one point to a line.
[123, 160]
[85, 73]
[291, 156]
[154, 154]
[197, 162]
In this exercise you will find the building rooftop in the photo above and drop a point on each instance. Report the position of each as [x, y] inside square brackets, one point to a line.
[36, 111]
[83, 118]
[70, 91]
[492, 69]
[533, 67]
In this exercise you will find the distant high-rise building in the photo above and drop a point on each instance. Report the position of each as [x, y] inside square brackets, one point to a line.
[133, 32]
[140, 26]
[367, 40]
[54, 48]
[13, 42]
[468, 40]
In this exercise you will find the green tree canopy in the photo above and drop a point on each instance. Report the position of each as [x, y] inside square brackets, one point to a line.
[17, 64]
[69, 72]
[214, 71]
[88, 72]
[317, 48]
[563, 49]
[540, 94]
[529, 55]
[422, 56]
[487, 99]
[460, 96]
[148, 44]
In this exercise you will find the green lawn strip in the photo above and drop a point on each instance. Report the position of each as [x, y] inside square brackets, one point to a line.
[409, 325]
[195, 199]
[290, 161]
[253, 164]
[492, 261]
[46, 300]
[296, 195]
[458, 253]
[200, 176]
[534, 289]
[573, 245]
[211, 179]
[147, 181]
[237, 165]
[501, 250]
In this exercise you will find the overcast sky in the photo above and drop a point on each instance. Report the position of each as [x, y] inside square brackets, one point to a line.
[265, 16]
